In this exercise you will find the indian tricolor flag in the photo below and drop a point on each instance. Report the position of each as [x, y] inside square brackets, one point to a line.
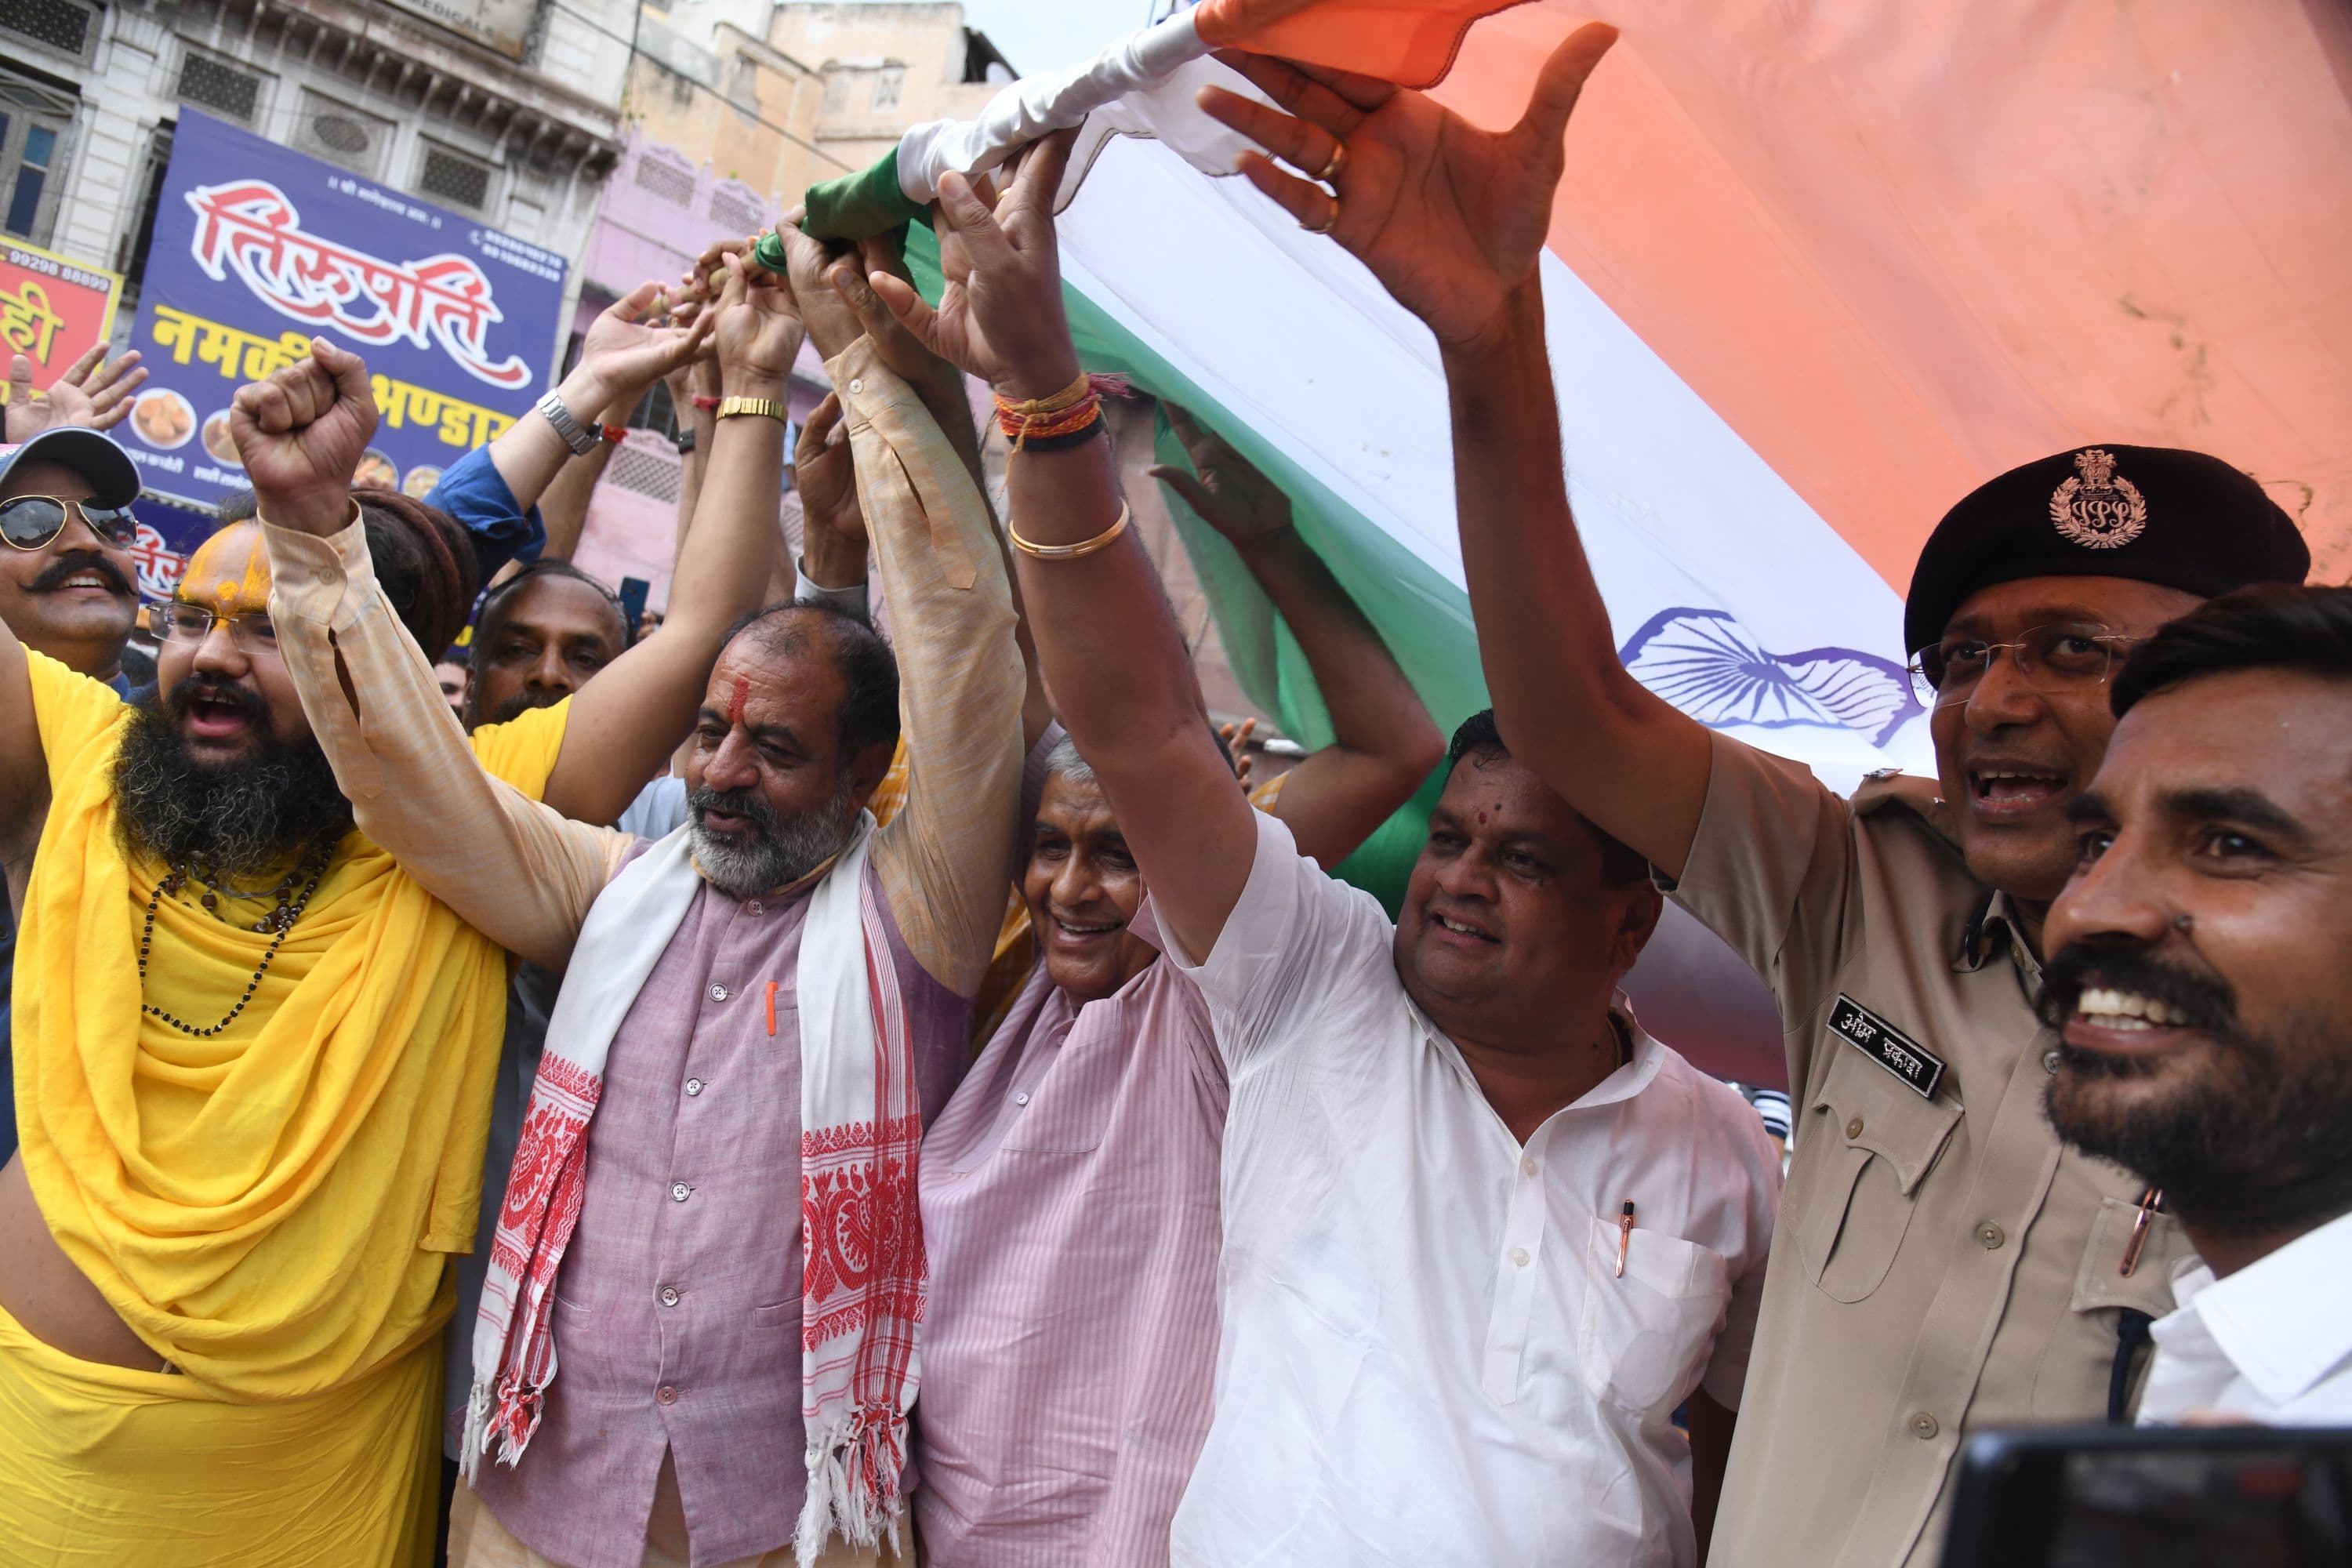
[1815, 270]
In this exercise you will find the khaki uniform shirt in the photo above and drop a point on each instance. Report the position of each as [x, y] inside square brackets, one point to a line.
[1942, 1262]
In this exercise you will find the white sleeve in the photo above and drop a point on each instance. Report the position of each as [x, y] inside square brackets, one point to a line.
[1294, 939]
[1726, 1367]
[851, 599]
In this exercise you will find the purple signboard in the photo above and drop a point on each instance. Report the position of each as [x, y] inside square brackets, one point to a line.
[257, 249]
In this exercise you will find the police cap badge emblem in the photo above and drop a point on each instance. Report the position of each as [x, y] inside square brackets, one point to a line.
[2097, 508]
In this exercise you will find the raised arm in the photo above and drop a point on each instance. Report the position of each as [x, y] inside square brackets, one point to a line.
[696, 378]
[564, 506]
[946, 857]
[24, 768]
[1451, 219]
[517, 871]
[938, 382]
[1384, 744]
[630, 718]
[1113, 658]
[624, 352]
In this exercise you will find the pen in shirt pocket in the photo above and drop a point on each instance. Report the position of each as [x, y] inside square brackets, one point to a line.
[1624, 1235]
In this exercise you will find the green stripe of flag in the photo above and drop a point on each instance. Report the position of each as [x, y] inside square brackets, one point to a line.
[859, 205]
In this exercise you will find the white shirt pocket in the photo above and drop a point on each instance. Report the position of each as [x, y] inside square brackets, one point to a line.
[1645, 1336]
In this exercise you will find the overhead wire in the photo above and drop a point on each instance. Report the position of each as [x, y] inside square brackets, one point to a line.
[636, 51]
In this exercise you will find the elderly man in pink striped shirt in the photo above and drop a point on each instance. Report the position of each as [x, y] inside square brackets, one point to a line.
[1069, 1190]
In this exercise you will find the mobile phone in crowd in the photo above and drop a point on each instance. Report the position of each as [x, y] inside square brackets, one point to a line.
[2169, 1497]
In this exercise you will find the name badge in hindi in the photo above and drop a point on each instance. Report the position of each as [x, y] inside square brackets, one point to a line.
[1887, 1045]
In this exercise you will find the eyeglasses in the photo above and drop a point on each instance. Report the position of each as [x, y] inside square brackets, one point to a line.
[2048, 658]
[175, 620]
[29, 522]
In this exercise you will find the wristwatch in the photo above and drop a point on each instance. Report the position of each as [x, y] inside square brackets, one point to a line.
[581, 441]
[766, 408]
[684, 441]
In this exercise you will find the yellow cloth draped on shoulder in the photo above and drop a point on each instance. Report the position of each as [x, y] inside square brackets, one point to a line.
[267, 1208]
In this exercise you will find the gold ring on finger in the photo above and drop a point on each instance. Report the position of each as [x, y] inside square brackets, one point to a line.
[1329, 224]
[1335, 163]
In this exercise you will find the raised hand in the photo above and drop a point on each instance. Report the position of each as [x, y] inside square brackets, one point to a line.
[1227, 491]
[905, 354]
[92, 392]
[628, 348]
[757, 326]
[707, 276]
[301, 433]
[1236, 738]
[833, 528]
[1449, 217]
[832, 326]
[1000, 316]
[680, 378]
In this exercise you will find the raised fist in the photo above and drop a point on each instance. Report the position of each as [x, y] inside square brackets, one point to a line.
[301, 433]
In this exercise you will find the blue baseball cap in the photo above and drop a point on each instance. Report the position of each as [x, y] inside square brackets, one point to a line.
[113, 477]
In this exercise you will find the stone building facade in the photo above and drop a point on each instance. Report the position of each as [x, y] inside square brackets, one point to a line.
[508, 110]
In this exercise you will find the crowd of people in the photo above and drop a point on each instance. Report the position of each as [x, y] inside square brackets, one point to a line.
[771, 1092]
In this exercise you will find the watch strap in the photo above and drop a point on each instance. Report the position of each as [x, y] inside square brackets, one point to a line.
[581, 441]
[767, 407]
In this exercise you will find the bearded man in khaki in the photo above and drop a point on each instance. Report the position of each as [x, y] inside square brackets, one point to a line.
[1941, 1262]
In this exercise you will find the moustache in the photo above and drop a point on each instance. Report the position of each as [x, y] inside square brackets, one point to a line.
[54, 576]
[734, 802]
[2206, 1002]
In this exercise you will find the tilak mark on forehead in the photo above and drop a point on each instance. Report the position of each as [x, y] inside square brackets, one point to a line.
[735, 703]
[209, 575]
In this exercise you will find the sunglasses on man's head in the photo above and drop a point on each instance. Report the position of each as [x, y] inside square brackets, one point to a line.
[29, 522]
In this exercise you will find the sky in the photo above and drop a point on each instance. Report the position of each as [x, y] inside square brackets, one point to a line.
[1046, 35]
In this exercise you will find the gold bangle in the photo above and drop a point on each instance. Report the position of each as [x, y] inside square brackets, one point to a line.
[1070, 551]
[729, 406]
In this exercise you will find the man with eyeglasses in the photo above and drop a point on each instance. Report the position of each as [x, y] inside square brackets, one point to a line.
[1941, 1263]
[67, 590]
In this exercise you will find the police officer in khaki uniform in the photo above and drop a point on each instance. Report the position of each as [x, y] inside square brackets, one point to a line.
[1941, 1263]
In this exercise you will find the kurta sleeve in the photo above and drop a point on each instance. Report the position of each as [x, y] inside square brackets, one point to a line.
[514, 870]
[946, 858]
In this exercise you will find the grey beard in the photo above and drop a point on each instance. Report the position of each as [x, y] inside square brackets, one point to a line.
[240, 819]
[781, 852]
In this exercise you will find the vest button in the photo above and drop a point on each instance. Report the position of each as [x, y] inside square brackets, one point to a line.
[667, 1394]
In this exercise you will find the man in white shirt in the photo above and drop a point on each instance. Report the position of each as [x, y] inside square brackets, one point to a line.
[2198, 978]
[1483, 1237]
